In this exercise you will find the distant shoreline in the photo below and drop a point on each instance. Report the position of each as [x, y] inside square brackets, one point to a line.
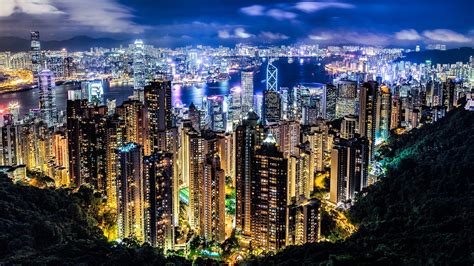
[17, 90]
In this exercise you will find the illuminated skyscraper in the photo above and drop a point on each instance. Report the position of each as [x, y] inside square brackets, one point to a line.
[212, 194]
[304, 172]
[247, 91]
[346, 98]
[195, 169]
[93, 91]
[9, 142]
[248, 135]
[272, 76]
[139, 70]
[269, 197]
[130, 192]
[114, 139]
[47, 99]
[383, 115]
[35, 51]
[159, 186]
[158, 103]
[303, 222]
[349, 126]
[331, 100]
[271, 106]
[349, 169]
[135, 117]
[368, 112]
[216, 117]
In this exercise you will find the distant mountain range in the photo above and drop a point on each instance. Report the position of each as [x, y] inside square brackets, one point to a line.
[78, 43]
[440, 57]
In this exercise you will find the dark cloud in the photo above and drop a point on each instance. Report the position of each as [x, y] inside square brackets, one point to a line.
[171, 23]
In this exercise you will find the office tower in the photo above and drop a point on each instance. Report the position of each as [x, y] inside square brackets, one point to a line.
[111, 106]
[346, 98]
[159, 213]
[14, 109]
[193, 116]
[212, 203]
[331, 100]
[93, 91]
[383, 115]
[349, 169]
[158, 103]
[271, 107]
[284, 103]
[272, 76]
[69, 67]
[368, 112]
[235, 107]
[349, 126]
[258, 104]
[9, 144]
[448, 94]
[216, 114]
[247, 91]
[247, 137]
[139, 70]
[269, 196]
[304, 222]
[137, 128]
[130, 192]
[35, 51]
[47, 100]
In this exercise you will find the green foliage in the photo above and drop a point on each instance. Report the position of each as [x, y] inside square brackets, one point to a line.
[420, 213]
[48, 226]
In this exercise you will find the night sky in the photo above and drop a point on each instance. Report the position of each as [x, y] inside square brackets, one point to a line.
[214, 22]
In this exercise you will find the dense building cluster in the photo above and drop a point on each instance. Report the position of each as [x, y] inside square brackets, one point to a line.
[166, 170]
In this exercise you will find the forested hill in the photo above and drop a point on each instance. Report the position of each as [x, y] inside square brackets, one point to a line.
[45, 226]
[421, 213]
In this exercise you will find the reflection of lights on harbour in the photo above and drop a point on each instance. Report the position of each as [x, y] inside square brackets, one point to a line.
[301, 60]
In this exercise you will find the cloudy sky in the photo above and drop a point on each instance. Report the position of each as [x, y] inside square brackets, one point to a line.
[180, 22]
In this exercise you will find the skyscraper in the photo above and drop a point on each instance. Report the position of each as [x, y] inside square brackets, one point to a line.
[349, 169]
[349, 126]
[212, 194]
[269, 197]
[383, 114]
[248, 135]
[158, 103]
[135, 117]
[47, 99]
[368, 112]
[159, 186]
[272, 76]
[331, 100]
[247, 91]
[346, 98]
[271, 106]
[303, 222]
[35, 51]
[130, 192]
[139, 70]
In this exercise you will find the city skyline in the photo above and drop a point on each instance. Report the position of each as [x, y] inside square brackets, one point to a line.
[334, 131]
[173, 24]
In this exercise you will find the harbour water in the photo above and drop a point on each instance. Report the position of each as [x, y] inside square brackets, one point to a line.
[301, 70]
